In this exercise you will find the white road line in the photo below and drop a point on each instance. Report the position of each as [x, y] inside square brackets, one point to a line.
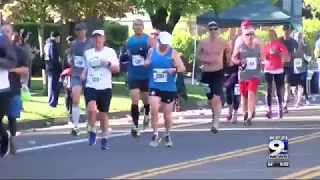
[244, 129]
[48, 146]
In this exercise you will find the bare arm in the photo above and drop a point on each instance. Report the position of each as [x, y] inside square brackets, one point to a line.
[178, 61]
[114, 62]
[151, 42]
[147, 61]
[228, 53]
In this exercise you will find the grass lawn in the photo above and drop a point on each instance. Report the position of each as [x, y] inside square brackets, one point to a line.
[38, 107]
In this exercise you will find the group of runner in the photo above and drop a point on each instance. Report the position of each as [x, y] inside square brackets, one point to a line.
[239, 66]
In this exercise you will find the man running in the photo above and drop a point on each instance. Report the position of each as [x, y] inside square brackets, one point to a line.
[7, 61]
[210, 54]
[100, 63]
[275, 53]
[77, 49]
[291, 46]
[249, 56]
[164, 63]
[138, 46]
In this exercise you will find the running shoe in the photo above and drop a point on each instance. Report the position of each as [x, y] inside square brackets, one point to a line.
[92, 138]
[229, 117]
[5, 144]
[269, 114]
[146, 122]
[75, 132]
[167, 141]
[234, 119]
[248, 122]
[104, 144]
[214, 130]
[135, 132]
[155, 140]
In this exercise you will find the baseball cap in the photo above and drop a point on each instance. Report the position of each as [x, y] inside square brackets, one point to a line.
[55, 34]
[165, 38]
[212, 25]
[248, 30]
[98, 32]
[246, 23]
[81, 26]
[24, 33]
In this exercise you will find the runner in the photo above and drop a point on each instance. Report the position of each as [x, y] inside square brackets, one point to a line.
[299, 77]
[210, 53]
[164, 63]
[138, 46]
[77, 48]
[232, 84]
[100, 62]
[291, 46]
[246, 24]
[7, 62]
[274, 51]
[249, 56]
[154, 36]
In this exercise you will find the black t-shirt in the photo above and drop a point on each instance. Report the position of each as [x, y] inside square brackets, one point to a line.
[291, 45]
[15, 78]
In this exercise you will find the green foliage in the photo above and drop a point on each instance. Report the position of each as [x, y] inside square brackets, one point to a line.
[314, 4]
[116, 34]
[310, 30]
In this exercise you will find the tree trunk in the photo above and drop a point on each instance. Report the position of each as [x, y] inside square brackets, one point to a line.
[41, 46]
[159, 19]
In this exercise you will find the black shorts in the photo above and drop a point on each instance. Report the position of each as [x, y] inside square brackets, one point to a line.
[4, 101]
[215, 81]
[299, 79]
[143, 85]
[102, 98]
[166, 96]
[287, 72]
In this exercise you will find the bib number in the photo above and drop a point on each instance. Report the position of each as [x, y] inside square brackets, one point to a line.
[236, 89]
[160, 77]
[297, 62]
[137, 60]
[251, 63]
[95, 62]
[78, 61]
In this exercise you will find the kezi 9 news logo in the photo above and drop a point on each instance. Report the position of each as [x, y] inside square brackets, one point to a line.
[278, 147]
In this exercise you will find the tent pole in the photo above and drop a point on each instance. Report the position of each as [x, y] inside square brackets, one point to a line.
[194, 54]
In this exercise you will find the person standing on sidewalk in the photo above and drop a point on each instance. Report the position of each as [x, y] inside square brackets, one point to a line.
[8, 61]
[164, 63]
[100, 63]
[77, 49]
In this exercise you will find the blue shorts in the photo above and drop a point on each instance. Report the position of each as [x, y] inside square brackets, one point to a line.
[76, 81]
[15, 106]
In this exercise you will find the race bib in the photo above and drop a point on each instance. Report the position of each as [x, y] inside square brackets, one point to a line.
[137, 60]
[78, 61]
[95, 62]
[96, 78]
[297, 62]
[251, 63]
[236, 89]
[160, 75]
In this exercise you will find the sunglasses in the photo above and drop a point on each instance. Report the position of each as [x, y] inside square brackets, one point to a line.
[250, 34]
[155, 34]
[213, 29]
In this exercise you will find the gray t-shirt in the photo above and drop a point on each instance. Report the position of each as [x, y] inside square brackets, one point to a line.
[252, 57]
[299, 63]
[77, 50]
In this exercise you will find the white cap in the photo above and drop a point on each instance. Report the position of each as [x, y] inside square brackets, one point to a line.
[248, 30]
[98, 32]
[165, 38]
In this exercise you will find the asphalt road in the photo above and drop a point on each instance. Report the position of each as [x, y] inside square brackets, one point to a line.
[235, 152]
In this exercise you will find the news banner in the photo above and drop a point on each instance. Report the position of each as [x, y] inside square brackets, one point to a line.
[278, 152]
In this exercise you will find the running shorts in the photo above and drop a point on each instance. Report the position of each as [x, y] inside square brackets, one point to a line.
[166, 96]
[299, 79]
[101, 97]
[288, 72]
[15, 106]
[143, 85]
[215, 81]
[76, 81]
[246, 86]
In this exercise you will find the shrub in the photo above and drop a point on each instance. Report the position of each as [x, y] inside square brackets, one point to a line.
[116, 34]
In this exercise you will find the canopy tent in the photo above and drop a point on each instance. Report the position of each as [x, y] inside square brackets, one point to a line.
[205, 18]
[259, 12]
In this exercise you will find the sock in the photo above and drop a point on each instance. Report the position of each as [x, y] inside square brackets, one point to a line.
[75, 115]
[216, 123]
[135, 114]
[104, 135]
[146, 109]
[93, 129]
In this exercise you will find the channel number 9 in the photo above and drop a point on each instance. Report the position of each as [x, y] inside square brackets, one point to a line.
[276, 146]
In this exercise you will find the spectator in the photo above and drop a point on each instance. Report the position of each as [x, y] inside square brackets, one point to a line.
[54, 69]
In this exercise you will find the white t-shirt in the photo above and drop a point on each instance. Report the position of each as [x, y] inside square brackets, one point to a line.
[99, 77]
[4, 78]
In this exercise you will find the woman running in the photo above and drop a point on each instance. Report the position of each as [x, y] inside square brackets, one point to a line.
[273, 70]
